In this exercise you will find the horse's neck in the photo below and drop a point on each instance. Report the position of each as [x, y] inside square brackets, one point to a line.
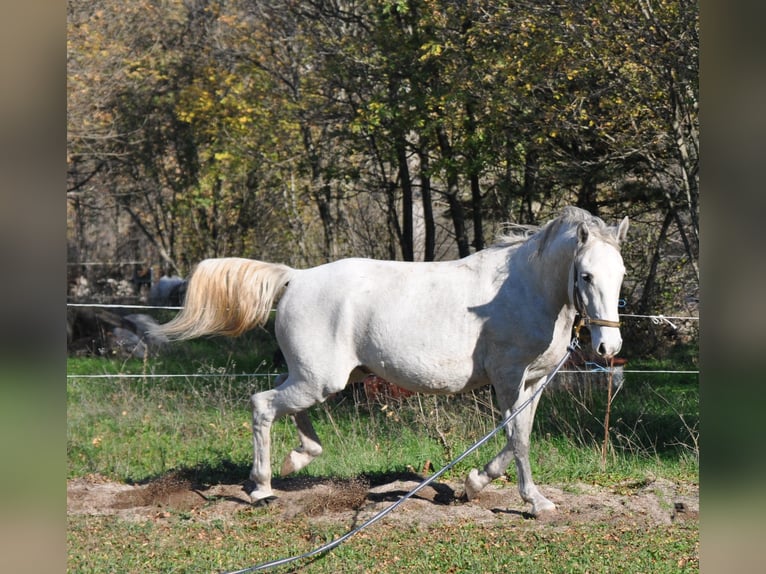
[549, 270]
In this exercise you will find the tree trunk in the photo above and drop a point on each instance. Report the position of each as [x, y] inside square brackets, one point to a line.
[478, 226]
[152, 239]
[393, 219]
[645, 304]
[530, 183]
[455, 207]
[322, 199]
[688, 166]
[408, 251]
[586, 197]
[473, 176]
[429, 252]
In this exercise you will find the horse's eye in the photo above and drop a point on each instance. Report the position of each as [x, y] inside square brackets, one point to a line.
[587, 277]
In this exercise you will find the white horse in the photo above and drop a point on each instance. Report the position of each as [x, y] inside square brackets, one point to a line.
[503, 316]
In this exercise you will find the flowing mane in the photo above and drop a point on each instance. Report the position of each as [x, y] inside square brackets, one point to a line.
[516, 233]
[571, 216]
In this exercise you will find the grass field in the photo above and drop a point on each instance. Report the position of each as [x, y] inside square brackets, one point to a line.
[103, 544]
[135, 430]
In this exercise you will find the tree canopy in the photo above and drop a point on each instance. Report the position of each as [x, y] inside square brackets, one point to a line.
[307, 130]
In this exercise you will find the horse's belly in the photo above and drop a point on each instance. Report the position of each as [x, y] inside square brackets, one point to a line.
[430, 374]
[426, 350]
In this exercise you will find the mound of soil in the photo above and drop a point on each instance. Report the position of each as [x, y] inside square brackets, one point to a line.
[647, 503]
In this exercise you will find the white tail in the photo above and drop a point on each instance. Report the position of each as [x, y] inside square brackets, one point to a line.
[228, 296]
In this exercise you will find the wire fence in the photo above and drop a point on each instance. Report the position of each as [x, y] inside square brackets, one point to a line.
[273, 375]
[657, 319]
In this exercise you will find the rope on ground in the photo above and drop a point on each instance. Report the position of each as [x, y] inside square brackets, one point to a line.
[337, 542]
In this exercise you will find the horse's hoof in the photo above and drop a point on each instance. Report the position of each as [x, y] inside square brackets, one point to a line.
[474, 484]
[259, 496]
[545, 510]
[261, 502]
[295, 461]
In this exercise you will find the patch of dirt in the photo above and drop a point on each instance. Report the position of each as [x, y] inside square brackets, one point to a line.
[646, 503]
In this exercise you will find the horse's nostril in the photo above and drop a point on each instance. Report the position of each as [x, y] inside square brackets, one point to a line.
[602, 349]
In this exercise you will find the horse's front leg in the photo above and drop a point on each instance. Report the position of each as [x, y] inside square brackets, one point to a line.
[517, 446]
[507, 395]
[522, 429]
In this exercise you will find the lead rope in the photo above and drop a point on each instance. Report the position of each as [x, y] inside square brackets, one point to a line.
[573, 345]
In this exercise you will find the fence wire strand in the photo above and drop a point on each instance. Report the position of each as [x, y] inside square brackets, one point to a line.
[656, 319]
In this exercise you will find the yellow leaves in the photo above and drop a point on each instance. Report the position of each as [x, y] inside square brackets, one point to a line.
[527, 26]
[431, 50]
[185, 116]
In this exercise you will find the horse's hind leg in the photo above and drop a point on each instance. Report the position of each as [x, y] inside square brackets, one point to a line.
[309, 449]
[263, 417]
[293, 396]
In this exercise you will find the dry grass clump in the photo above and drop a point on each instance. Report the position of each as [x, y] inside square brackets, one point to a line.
[337, 496]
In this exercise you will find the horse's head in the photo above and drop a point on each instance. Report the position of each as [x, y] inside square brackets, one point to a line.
[595, 282]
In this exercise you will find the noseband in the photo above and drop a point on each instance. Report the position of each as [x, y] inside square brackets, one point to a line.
[582, 311]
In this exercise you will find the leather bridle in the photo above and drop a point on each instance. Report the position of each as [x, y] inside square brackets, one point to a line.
[582, 311]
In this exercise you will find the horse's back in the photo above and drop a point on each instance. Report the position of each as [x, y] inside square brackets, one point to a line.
[410, 323]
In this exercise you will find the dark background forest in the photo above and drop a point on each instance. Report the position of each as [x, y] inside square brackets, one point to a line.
[302, 131]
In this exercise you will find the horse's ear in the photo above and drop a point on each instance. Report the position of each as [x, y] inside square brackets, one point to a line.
[582, 233]
[622, 229]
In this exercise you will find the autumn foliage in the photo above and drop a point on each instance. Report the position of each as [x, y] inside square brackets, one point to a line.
[301, 131]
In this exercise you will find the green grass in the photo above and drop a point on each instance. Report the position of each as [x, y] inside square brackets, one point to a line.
[106, 544]
[137, 429]
[132, 429]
